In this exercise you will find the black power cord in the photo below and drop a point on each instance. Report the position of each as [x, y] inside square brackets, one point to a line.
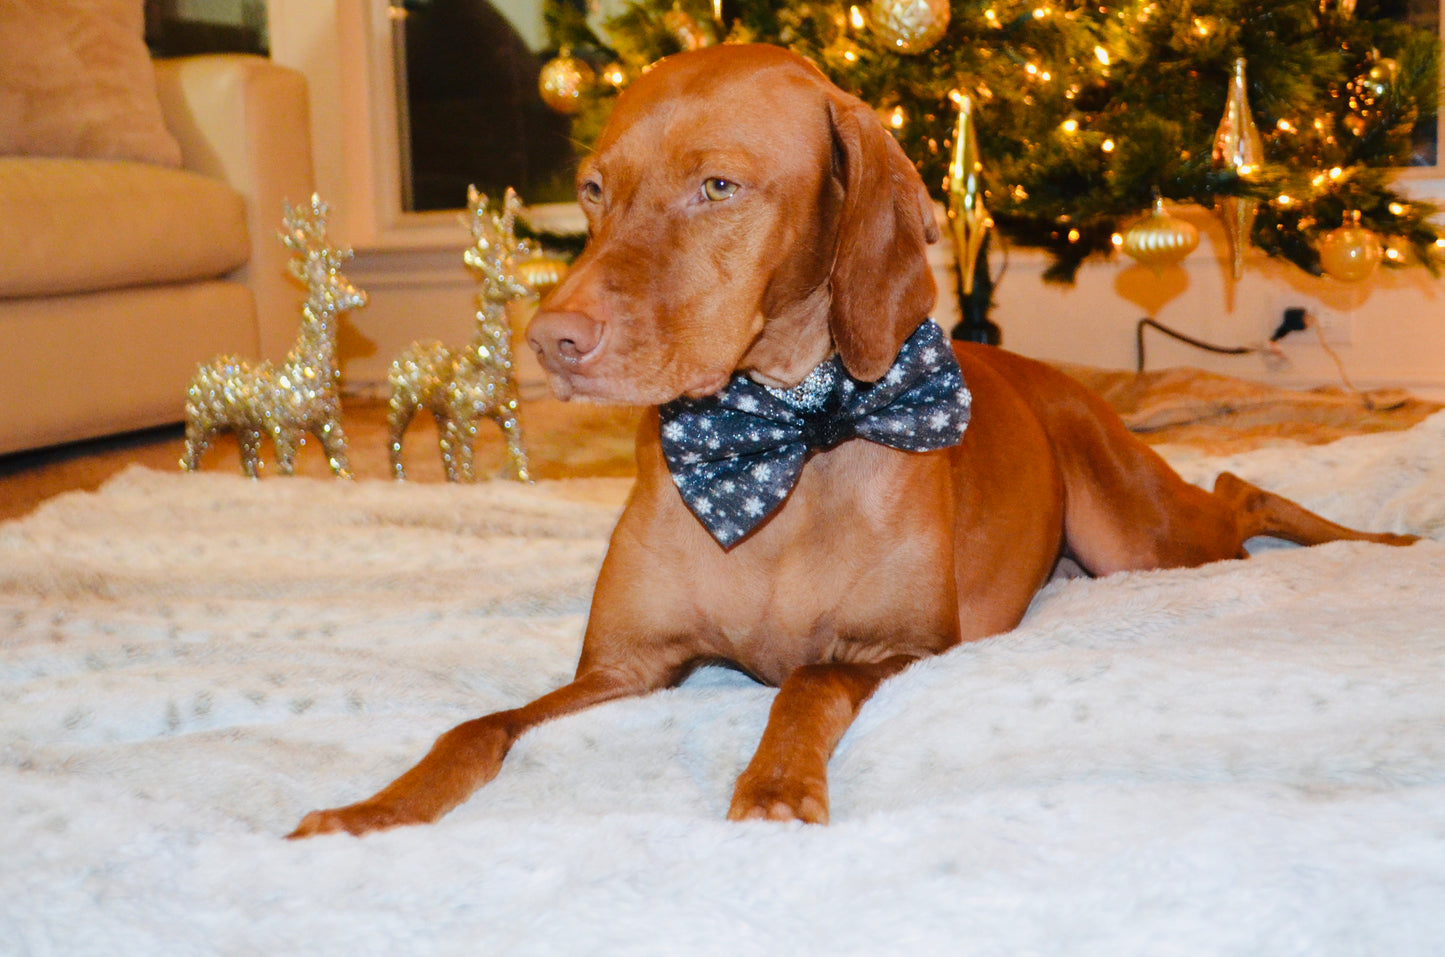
[1199, 343]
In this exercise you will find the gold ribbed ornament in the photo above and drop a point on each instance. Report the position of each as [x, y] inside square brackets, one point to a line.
[967, 218]
[1350, 253]
[1238, 147]
[562, 82]
[909, 26]
[542, 272]
[1159, 240]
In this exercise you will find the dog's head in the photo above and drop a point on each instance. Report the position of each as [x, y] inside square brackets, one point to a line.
[743, 214]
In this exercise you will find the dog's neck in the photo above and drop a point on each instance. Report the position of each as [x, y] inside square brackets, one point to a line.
[791, 344]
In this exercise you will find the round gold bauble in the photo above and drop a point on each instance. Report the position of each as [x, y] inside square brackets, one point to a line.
[1380, 76]
[562, 82]
[1350, 253]
[909, 26]
[1159, 240]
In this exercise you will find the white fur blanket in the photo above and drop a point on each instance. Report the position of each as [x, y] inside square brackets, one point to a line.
[1247, 758]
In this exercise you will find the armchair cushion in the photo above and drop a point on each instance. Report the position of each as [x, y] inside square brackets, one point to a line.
[76, 80]
[70, 226]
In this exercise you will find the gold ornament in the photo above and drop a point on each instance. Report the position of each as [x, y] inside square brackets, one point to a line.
[1350, 253]
[967, 217]
[1239, 148]
[285, 402]
[689, 34]
[542, 272]
[1380, 77]
[563, 81]
[1159, 240]
[909, 26]
[462, 387]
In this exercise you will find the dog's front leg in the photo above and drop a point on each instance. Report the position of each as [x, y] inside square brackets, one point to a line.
[787, 778]
[465, 758]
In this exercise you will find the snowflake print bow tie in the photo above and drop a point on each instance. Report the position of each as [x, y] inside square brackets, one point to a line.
[736, 455]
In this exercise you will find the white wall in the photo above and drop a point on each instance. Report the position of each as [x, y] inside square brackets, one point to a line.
[1395, 321]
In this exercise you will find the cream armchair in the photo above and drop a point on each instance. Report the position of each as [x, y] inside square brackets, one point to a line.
[116, 278]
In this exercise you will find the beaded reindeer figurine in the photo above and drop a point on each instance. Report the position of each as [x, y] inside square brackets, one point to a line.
[462, 387]
[298, 396]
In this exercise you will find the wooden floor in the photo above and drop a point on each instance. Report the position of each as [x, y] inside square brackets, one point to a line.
[562, 440]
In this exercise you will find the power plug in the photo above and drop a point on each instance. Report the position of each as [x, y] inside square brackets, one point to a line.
[1295, 320]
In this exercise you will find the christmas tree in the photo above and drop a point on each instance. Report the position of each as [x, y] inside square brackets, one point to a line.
[1085, 112]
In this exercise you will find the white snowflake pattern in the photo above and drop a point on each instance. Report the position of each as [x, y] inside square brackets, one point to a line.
[703, 506]
[748, 403]
[673, 431]
[762, 472]
[753, 506]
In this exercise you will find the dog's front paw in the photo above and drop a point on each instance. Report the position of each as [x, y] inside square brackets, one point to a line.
[357, 819]
[780, 799]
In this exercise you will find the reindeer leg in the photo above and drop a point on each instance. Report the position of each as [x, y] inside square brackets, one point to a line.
[397, 422]
[198, 440]
[333, 441]
[447, 441]
[286, 441]
[464, 449]
[516, 454]
[249, 441]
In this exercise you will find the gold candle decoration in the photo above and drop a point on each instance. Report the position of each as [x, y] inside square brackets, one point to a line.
[1159, 239]
[461, 387]
[1352, 252]
[967, 218]
[1239, 148]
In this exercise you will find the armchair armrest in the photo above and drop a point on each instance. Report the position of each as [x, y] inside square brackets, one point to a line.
[245, 120]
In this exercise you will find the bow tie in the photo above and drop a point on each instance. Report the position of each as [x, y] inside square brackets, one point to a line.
[735, 455]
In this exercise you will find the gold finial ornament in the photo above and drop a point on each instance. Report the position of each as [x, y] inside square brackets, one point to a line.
[301, 395]
[462, 387]
[1239, 148]
[968, 220]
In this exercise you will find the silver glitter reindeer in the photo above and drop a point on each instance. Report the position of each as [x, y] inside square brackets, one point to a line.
[298, 396]
[462, 387]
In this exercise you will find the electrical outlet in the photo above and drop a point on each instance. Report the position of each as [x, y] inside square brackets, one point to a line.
[1336, 328]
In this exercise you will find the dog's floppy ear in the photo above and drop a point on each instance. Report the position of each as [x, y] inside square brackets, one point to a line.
[881, 284]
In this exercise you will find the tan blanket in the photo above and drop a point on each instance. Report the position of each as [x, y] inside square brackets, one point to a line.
[1222, 414]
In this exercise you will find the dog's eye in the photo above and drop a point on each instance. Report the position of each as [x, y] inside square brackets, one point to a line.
[591, 191]
[717, 189]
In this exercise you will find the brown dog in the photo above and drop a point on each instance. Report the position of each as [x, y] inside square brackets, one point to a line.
[745, 216]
